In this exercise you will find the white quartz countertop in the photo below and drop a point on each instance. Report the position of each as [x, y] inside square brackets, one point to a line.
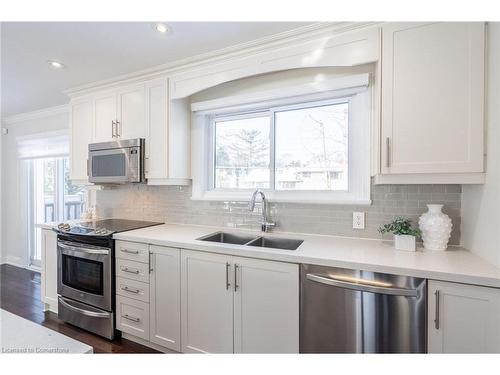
[20, 335]
[455, 264]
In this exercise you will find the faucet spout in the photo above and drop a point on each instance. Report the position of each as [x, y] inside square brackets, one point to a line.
[265, 223]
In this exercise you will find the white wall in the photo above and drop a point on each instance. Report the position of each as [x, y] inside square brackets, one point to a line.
[14, 247]
[481, 203]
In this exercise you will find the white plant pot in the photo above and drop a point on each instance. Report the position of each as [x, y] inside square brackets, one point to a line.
[435, 227]
[405, 242]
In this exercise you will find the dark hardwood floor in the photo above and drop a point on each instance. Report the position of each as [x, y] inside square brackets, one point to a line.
[20, 295]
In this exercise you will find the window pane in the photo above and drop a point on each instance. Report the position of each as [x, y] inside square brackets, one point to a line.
[312, 148]
[73, 195]
[242, 153]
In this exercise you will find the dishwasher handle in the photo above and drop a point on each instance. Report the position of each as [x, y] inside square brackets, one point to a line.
[365, 286]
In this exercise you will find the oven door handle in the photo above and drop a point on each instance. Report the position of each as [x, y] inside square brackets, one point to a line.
[93, 314]
[81, 249]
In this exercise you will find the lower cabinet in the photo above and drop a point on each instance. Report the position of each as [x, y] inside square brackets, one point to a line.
[234, 304]
[463, 318]
[165, 300]
[49, 270]
[148, 293]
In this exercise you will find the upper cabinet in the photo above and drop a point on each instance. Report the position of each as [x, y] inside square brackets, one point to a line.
[134, 111]
[432, 102]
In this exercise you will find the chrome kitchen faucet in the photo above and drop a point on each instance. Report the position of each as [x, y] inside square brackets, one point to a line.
[265, 223]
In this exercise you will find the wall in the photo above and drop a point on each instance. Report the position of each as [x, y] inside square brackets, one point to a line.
[173, 204]
[481, 203]
[14, 247]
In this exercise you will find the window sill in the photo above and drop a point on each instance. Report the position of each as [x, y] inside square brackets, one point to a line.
[313, 197]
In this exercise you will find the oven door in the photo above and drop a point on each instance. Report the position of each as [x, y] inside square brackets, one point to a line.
[84, 273]
[115, 166]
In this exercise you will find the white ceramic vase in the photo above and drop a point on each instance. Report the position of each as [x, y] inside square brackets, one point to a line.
[435, 227]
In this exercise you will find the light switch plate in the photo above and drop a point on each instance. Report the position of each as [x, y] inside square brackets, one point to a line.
[358, 220]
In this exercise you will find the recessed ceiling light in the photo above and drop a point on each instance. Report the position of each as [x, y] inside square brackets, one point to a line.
[56, 64]
[161, 28]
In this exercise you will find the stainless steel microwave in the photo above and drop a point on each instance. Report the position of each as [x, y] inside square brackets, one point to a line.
[117, 162]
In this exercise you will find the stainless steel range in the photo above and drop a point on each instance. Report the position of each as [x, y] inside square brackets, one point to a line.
[85, 272]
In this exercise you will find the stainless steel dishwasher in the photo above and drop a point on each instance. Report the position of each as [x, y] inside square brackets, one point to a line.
[352, 311]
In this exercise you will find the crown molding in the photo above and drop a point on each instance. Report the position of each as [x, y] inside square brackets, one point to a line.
[33, 115]
[304, 33]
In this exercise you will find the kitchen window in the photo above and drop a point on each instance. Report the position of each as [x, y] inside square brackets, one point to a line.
[313, 148]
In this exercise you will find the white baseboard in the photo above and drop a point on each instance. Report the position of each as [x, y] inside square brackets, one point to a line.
[147, 343]
[14, 261]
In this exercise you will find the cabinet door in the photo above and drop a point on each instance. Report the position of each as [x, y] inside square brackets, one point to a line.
[104, 116]
[432, 98]
[49, 269]
[131, 113]
[157, 137]
[266, 306]
[206, 303]
[463, 318]
[165, 301]
[81, 135]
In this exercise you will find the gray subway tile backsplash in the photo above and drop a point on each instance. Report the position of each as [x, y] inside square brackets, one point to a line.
[173, 204]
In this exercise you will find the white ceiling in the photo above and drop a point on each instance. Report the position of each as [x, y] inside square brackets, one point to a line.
[94, 51]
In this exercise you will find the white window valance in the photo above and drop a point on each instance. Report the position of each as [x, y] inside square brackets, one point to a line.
[42, 145]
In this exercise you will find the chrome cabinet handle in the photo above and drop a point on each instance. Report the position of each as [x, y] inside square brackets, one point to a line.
[113, 131]
[117, 129]
[236, 286]
[150, 261]
[131, 318]
[228, 284]
[436, 316]
[127, 289]
[361, 285]
[126, 269]
[129, 251]
[387, 152]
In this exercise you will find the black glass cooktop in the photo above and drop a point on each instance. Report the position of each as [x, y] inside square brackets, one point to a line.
[105, 227]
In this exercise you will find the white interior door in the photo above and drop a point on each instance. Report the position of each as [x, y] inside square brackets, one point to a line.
[165, 300]
[206, 303]
[266, 306]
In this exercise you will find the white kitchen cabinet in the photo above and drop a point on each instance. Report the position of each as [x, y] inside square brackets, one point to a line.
[49, 270]
[463, 318]
[165, 302]
[131, 112]
[132, 316]
[432, 100]
[81, 113]
[266, 306]
[233, 304]
[206, 303]
[104, 117]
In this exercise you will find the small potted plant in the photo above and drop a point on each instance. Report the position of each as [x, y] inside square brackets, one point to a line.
[404, 234]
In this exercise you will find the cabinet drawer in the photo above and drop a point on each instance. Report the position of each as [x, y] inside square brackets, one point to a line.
[136, 251]
[132, 270]
[132, 317]
[132, 289]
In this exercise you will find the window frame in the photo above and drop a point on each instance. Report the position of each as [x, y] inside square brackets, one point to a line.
[359, 179]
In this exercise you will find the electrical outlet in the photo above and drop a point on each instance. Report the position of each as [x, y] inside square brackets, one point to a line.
[358, 220]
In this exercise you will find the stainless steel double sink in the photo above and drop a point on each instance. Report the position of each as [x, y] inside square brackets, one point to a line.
[259, 241]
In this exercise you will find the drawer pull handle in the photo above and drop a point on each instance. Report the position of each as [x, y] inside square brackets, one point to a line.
[126, 269]
[129, 251]
[127, 289]
[436, 313]
[131, 318]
